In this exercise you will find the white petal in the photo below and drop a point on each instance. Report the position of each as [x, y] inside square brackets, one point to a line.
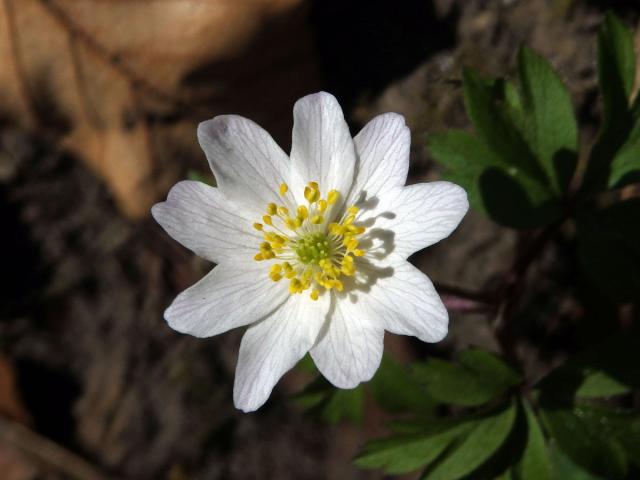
[349, 349]
[248, 164]
[407, 303]
[417, 215]
[322, 149]
[272, 347]
[382, 149]
[203, 220]
[230, 296]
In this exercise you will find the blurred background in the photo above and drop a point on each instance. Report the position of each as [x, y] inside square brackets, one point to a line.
[99, 103]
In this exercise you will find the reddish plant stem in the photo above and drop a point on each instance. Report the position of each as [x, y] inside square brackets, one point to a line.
[460, 300]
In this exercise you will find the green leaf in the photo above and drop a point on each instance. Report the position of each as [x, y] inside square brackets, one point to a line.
[344, 405]
[490, 366]
[600, 384]
[616, 56]
[585, 441]
[509, 187]
[306, 364]
[477, 447]
[565, 469]
[478, 378]
[554, 132]
[395, 390]
[604, 370]
[616, 73]
[625, 167]
[465, 157]
[406, 453]
[332, 405]
[535, 464]
[616, 424]
[610, 249]
[493, 125]
[201, 177]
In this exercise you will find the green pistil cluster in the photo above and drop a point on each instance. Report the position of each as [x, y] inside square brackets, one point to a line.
[313, 247]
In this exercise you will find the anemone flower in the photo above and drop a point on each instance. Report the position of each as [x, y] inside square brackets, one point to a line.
[311, 248]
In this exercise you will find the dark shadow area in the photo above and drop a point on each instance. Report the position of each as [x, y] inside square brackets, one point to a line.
[365, 45]
[629, 8]
[23, 275]
[49, 395]
[276, 68]
[508, 203]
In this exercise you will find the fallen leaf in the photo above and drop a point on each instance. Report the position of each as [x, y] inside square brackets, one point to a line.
[113, 80]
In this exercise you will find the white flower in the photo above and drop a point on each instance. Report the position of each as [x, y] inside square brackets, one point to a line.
[311, 249]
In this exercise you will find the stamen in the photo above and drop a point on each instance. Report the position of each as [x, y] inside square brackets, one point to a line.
[312, 255]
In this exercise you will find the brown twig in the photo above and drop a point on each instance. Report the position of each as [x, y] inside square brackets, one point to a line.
[47, 452]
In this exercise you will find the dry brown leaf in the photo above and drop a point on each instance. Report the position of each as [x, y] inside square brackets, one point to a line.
[93, 71]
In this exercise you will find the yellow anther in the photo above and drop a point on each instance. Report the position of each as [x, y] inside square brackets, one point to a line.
[351, 244]
[283, 211]
[274, 239]
[348, 269]
[269, 255]
[289, 272]
[265, 246]
[319, 255]
[291, 223]
[276, 277]
[302, 212]
[311, 192]
[336, 229]
[295, 286]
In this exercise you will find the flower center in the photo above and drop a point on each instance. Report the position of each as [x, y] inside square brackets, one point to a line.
[313, 247]
[309, 250]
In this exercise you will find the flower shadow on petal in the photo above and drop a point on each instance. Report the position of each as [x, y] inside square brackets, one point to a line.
[362, 283]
